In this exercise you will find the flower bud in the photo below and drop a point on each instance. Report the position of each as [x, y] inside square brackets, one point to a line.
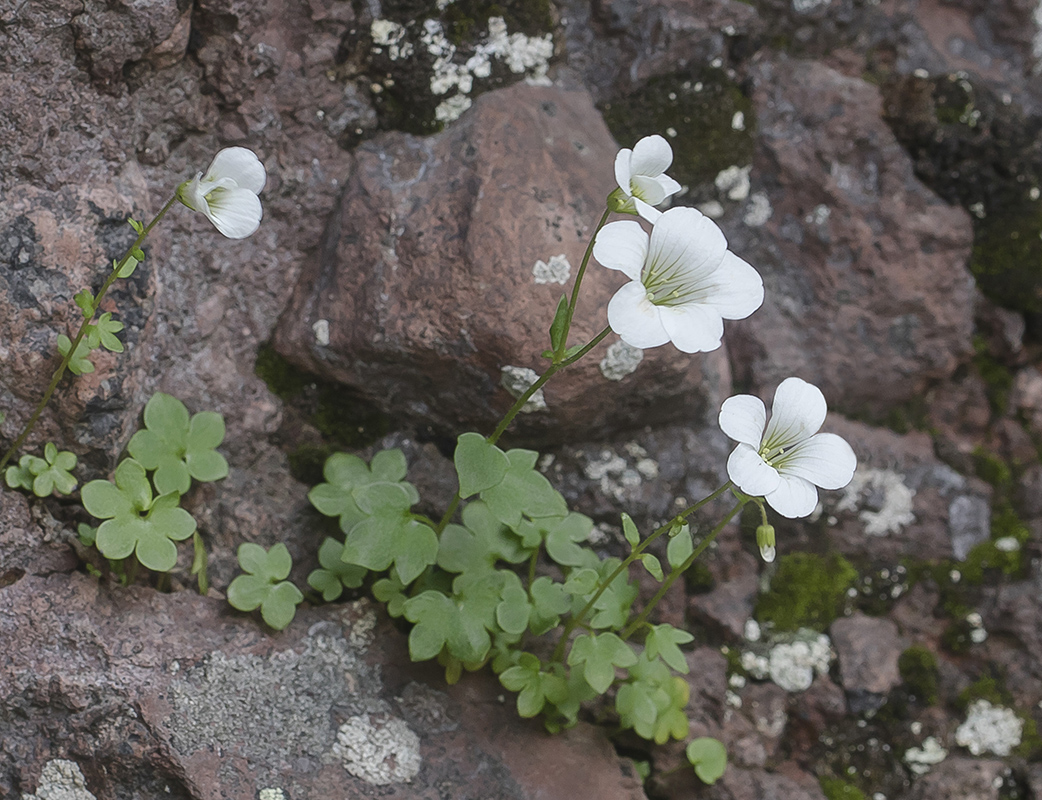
[765, 541]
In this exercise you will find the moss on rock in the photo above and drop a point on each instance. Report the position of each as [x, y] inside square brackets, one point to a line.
[695, 111]
[807, 591]
[918, 668]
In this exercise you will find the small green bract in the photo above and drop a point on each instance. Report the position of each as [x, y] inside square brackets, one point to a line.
[265, 585]
[178, 447]
[135, 523]
[44, 475]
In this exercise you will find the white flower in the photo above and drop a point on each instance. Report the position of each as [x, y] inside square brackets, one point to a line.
[227, 194]
[683, 283]
[640, 173]
[782, 461]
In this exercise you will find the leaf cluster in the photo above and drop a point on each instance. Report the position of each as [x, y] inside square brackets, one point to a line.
[42, 476]
[265, 585]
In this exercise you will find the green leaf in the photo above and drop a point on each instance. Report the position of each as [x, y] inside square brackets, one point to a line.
[652, 565]
[388, 465]
[479, 465]
[433, 614]
[581, 582]
[105, 501]
[662, 641]
[155, 551]
[22, 475]
[85, 300]
[680, 547]
[129, 265]
[514, 611]
[131, 480]
[104, 333]
[347, 477]
[247, 592]
[549, 601]
[325, 583]
[205, 431]
[335, 573]
[206, 466]
[390, 591]
[599, 654]
[709, 758]
[280, 605]
[79, 363]
[563, 537]
[629, 530]
[416, 546]
[557, 327]
[523, 490]
[118, 537]
[138, 227]
[167, 417]
[265, 586]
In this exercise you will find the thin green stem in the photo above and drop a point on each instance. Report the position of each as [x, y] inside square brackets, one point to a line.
[574, 300]
[641, 546]
[60, 371]
[531, 570]
[515, 409]
[676, 573]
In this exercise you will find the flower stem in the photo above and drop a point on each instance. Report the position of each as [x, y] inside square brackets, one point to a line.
[493, 437]
[641, 546]
[573, 301]
[672, 577]
[60, 371]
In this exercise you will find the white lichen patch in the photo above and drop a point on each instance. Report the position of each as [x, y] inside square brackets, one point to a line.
[273, 793]
[806, 6]
[889, 501]
[620, 360]
[759, 210]
[556, 270]
[321, 329]
[712, 209]
[920, 759]
[792, 664]
[379, 750]
[752, 631]
[61, 779]
[738, 121]
[1007, 544]
[758, 666]
[989, 728]
[522, 55]
[516, 380]
[389, 34]
[614, 475]
[733, 182]
[452, 109]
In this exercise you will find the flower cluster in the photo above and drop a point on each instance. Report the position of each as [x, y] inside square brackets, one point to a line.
[683, 282]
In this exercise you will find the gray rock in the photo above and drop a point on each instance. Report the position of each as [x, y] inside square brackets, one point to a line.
[868, 649]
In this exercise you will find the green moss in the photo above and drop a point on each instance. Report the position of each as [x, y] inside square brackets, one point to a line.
[284, 380]
[698, 579]
[1030, 747]
[807, 591]
[992, 469]
[1007, 254]
[839, 789]
[465, 20]
[341, 417]
[918, 668]
[699, 107]
[996, 376]
[307, 461]
[987, 687]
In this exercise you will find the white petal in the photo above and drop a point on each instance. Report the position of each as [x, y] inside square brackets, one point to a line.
[686, 242]
[798, 411]
[234, 212]
[650, 213]
[635, 318]
[669, 186]
[622, 246]
[750, 473]
[794, 497]
[193, 196]
[693, 328]
[652, 156]
[648, 189]
[743, 418]
[737, 289]
[239, 164]
[824, 459]
[622, 169]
